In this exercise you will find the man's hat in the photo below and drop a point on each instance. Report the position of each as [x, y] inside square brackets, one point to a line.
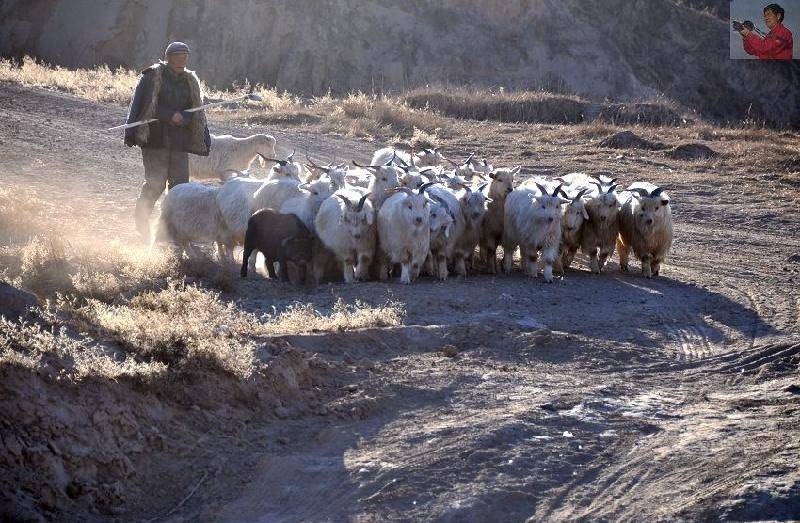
[177, 47]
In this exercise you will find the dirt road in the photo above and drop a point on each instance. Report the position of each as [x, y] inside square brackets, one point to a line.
[602, 397]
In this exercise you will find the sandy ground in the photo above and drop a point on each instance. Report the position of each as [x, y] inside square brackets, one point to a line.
[601, 397]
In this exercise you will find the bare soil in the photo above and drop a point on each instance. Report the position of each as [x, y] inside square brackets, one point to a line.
[499, 398]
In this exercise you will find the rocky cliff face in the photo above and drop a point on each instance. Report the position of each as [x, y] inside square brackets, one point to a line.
[614, 49]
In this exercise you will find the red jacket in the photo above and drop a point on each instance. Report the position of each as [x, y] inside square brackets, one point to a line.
[776, 46]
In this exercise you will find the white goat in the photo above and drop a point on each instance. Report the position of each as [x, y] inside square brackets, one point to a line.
[189, 213]
[645, 226]
[492, 229]
[230, 153]
[307, 204]
[473, 207]
[425, 158]
[404, 233]
[448, 198]
[532, 222]
[442, 222]
[467, 169]
[348, 229]
[287, 168]
[573, 215]
[599, 231]
[337, 173]
[384, 177]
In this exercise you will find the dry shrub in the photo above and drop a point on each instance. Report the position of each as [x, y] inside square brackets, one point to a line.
[596, 129]
[45, 269]
[100, 84]
[178, 326]
[420, 139]
[302, 317]
[657, 113]
[504, 106]
[47, 348]
[390, 113]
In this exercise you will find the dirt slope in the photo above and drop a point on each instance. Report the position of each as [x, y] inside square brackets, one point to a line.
[601, 397]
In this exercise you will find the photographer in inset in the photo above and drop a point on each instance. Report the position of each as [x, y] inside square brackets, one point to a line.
[775, 45]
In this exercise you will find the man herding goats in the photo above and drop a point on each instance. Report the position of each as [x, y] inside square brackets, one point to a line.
[164, 92]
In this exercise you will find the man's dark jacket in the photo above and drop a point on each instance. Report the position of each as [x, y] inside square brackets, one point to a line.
[159, 94]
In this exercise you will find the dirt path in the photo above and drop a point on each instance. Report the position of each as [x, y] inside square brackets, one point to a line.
[609, 397]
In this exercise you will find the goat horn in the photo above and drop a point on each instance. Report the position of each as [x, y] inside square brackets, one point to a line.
[656, 192]
[461, 184]
[639, 191]
[366, 166]
[346, 201]
[482, 186]
[290, 158]
[280, 162]
[361, 202]
[424, 186]
[322, 168]
[580, 193]
[555, 193]
[611, 188]
[469, 159]
[541, 188]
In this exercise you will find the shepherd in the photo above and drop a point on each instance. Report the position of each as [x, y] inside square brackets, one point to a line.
[777, 44]
[164, 93]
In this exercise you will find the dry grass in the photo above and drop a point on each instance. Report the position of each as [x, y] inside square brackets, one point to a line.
[302, 317]
[52, 351]
[101, 84]
[140, 302]
[538, 107]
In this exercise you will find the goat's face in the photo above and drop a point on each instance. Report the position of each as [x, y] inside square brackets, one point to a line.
[337, 175]
[574, 215]
[440, 221]
[650, 212]
[319, 189]
[547, 208]
[428, 158]
[603, 208]
[291, 170]
[465, 171]
[386, 176]
[412, 180]
[502, 182]
[473, 205]
[265, 146]
[482, 166]
[415, 210]
[358, 223]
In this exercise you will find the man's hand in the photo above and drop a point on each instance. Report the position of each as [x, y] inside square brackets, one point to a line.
[177, 119]
[744, 32]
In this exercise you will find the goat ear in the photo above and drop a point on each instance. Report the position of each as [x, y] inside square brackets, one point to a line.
[585, 214]
[492, 175]
[489, 200]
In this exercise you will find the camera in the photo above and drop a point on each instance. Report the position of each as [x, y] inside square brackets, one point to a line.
[737, 25]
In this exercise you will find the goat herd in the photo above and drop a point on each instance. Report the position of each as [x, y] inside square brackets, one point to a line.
[333, 221]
